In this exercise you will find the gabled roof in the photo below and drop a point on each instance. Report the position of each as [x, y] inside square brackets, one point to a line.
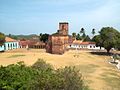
[80, 42]
[77, 41]
[30, 43]
[8, 39]
[87, 43]
[39, 43]
[26, 42]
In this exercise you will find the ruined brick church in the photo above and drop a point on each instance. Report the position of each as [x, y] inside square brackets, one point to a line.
[59, 42]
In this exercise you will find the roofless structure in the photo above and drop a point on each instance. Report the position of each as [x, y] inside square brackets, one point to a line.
[58, 42]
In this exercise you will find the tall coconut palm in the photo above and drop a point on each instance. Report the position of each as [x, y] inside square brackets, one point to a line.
[93, 32]
[74, 34]
[82, 31]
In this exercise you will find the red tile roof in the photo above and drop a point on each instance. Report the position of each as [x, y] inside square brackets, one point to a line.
[26, 42]
[29, 42]
[86, 43]
[77, 42]
[82, 43]
[8, 39]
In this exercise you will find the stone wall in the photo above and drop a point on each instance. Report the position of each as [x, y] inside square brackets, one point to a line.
[58, 43]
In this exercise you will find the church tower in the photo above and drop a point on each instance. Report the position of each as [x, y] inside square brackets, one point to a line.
[63, 28]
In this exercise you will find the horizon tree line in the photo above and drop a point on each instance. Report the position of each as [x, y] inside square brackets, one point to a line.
[108, 37]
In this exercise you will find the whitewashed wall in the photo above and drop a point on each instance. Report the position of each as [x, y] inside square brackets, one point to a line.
[89, 46]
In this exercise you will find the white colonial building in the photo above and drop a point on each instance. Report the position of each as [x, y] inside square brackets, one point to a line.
[84, 45]
[9, 44]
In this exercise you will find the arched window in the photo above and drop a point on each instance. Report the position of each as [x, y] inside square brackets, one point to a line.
[11, 46]
[90, 46]
[8, 45]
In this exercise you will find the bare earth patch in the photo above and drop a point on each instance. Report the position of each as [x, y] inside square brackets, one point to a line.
[96, 70]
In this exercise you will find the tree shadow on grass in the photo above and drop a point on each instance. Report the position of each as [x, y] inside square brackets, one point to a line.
[102, 53]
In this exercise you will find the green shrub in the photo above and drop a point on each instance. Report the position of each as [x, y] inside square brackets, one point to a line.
[41, 65]
[14, 77]
[40, 76]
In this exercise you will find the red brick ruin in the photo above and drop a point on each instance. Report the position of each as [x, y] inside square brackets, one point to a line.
[58, 42]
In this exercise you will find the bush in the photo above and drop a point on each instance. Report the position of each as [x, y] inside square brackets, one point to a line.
[18, 76]
[40, 76]
[41, 65]
[72, 78]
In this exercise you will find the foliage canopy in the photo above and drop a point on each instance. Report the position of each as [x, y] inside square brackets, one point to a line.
[2, 38]
[40, 76]
[108, 38]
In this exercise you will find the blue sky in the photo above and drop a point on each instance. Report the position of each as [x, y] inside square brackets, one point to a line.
[43, 16]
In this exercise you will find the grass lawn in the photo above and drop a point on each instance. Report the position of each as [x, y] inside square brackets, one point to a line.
[97, 72]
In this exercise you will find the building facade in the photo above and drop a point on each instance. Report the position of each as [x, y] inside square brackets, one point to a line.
[84, 45]
[9, 44]
[32, 44]
[58, 42]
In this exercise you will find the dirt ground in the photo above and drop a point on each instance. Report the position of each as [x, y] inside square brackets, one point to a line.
[97, 72]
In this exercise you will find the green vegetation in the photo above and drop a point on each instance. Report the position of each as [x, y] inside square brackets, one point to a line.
[87, 38]
[93, 31]
[40, 76]
[82, 35]
[14, 56]
[2, 38]
[108, 38]
[74, 34]
[43, 37]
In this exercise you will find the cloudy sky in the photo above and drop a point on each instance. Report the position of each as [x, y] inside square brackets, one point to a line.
[43, 16]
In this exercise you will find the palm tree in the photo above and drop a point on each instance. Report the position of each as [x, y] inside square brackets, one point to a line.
[74, 34]
[82, 31]
[40, 36]
[93, 31]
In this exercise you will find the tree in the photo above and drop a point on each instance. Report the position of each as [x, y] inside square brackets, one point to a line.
[40, 76]
[82, 31]
[74, 34]
[2, 38]
[98, 41]
[44, 37]
[78, 37]
[10, 35]
[108, 38]
[16, 77]
[83, 36]
[118, 43]
[40, 36]
[87, 38]
[93, 31]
